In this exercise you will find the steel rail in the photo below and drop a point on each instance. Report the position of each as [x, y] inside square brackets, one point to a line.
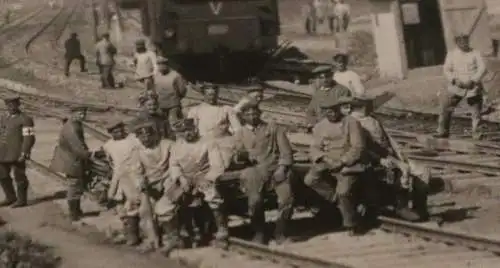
[448, 237]
[43, 29]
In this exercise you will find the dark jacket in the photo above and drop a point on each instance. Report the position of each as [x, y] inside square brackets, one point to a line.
[16, 136]
[72, 46]
[71, 153]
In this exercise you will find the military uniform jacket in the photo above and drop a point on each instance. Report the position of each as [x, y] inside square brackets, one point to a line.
[171, 89]
[334, 91]
[266, 144]
[71, 152]
[17, 136]
[72, 46]
[342, 141]
[106, 52]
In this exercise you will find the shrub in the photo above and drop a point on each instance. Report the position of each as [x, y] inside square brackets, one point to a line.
[18, 251]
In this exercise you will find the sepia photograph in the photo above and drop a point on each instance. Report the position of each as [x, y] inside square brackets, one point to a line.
[250, 133]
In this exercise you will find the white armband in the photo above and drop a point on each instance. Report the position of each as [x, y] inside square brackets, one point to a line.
[28, 131]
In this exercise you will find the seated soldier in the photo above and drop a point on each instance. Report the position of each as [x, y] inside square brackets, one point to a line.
[270, 154]
[154, 156]
[383, 151]
[337, 152]
[215, 122]
[195, 165]
[121, 152]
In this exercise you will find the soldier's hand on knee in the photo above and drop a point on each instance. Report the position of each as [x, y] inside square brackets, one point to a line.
[281, 173]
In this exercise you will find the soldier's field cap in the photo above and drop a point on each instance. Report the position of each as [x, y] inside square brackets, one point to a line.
[161, 60]
[140, 42]
[114, 124]
[250, 104]
[183, 124]
[79, 108]
[362, 100]
[143, 125]
[12, 98]
[332, 102]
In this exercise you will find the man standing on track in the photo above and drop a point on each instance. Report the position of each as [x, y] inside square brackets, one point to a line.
[464, 69]
[71, 157]
[324, 88]
[145, 66]
[267, 148]
[216, 122]
[105, 55]
[171, 89]
[337, 152]
[17, 137]
[73, 52]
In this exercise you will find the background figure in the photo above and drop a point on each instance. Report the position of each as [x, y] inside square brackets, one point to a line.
[311, 21]
[105, 55]
[145, 64]
[342, 13]
[73, 52]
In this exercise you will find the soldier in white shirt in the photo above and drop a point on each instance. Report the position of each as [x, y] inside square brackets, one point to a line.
[342, 12]
[346, 77]
[216, 122]
[464, 69]
[145, 64]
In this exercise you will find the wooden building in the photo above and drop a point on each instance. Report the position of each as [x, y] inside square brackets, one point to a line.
[413, 34]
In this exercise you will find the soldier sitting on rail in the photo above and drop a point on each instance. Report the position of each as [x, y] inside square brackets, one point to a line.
[73, 52]
[71, 157]
[154, 156]
[269, 152]
[338, 152]
[324, 87]
[171, 88]
[398, 182]
[121, 151]
[17, 137]
[195, 165]
[148, 102]
[145, 64]
[216, 122]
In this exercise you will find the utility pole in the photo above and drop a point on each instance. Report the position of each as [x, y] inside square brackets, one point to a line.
[95, 21]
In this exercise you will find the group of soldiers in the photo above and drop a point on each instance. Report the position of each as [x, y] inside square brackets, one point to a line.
[336, 13]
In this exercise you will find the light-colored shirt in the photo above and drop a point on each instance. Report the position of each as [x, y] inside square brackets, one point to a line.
[145, 64]
[195, 161]
[155, 162]
[351, 80]
[106, 52]
[463, 67]
[214, 120]
[124, 160]
[342, 10]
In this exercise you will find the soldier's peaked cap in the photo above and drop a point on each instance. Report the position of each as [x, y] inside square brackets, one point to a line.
[12, 98]
[161, 60]
[322, 69]
[140, 42]
[183, 124]
[148, 124]
[362, 100]
[332, 102]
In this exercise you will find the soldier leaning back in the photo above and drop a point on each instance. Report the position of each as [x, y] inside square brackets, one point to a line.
[17, 137]
[71, 157]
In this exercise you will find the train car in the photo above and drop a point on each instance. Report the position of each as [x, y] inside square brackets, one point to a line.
[224, 41]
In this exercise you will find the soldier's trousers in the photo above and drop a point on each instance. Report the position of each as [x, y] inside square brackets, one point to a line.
[69, 60]
[107, 78]
[343, 193]
[148, 82]
[20, 179]
[74, 188]
[310, 24]
[449, 102]
[256, 181]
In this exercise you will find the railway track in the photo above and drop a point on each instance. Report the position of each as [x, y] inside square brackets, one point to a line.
[395, 244]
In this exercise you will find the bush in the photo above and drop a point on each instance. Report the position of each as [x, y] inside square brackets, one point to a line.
[18, 251]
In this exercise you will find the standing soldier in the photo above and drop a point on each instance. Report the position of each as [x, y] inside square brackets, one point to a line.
[337, 152]
[149, 112]
[346, 77]
[171, 88]
[105, 55]
[342, 12]
[464, 69]
[17, 139]
[71, 157]
[216, 122]
[324, 88]
[270, 153]
[73, 52]
[311, 18]
[144, 62]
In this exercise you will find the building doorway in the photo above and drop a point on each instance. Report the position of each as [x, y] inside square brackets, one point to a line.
[423, 33]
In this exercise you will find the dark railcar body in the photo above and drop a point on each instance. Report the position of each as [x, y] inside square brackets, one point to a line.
[217, 41]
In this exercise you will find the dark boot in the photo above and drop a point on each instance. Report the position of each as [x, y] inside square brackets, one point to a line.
[73, 209]
[258, 224]
[171, 237]
[281, 225]
[221, 237]
[131, 225]
[419, 198]
[402, 207]
[9, 191]
[22, 195]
